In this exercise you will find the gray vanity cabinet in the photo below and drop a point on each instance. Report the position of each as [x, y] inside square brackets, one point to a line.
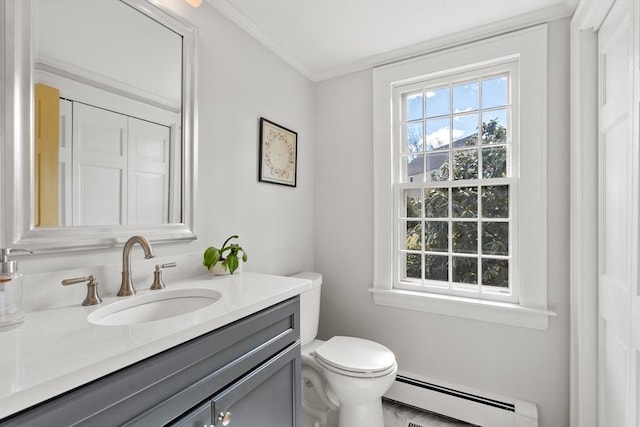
[244, 374]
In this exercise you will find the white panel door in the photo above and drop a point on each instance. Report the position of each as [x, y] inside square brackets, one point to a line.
[618, 220]
[99, 166]
[149, 167]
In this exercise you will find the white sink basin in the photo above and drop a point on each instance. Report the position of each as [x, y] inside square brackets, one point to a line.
[154, 306]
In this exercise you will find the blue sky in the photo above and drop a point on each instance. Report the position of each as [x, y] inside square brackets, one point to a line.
[464, 99]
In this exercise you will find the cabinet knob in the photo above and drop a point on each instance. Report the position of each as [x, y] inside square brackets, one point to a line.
[225, 418]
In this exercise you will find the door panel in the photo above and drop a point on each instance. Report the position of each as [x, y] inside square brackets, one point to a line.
[100, 189]
[99, 166]
[614, 152]
[615, 355]
[617, 222]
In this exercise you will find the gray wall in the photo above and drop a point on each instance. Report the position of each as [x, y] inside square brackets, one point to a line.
[514, 362]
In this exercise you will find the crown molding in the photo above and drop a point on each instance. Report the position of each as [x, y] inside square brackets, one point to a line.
[231, 13]
[460, 38]
[536, 17]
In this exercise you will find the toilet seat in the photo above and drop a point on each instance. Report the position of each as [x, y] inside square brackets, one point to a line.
[355, 357]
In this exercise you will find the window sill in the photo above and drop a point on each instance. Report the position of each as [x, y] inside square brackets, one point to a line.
[488, 311]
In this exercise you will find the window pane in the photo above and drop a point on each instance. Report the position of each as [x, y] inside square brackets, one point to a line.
[494, 162]
[438, 166]
[495, 238]
[465, 97]
[412, 137]
[494, 92]
[436, 236]
[436, 202]
[413, 266]
[413, 202]
[414, 168]
[495, 272]
[465, 130]
[413, 106]
[465, 237]
[437, 102]
[495, 201]
[413, 236]
[465, 270]
[436, 267]
[494, 127]
[465, 164]
[438, 134]
[465, 202]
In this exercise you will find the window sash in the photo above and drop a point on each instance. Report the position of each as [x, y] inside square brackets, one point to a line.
[400, 162]
[450, 287]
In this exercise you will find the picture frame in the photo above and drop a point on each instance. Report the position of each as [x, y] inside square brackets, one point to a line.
[278, 154]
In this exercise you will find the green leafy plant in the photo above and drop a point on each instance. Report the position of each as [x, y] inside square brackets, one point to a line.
[228, 254]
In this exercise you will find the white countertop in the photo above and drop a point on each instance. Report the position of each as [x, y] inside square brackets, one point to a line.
[57, 350]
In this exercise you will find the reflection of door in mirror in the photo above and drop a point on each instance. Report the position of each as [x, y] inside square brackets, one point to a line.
[98, 167]
[120, 168]
[116, 118]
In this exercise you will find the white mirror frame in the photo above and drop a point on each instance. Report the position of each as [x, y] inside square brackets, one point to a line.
[17, 229]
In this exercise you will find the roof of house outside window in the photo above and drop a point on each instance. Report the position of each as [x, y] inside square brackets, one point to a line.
[434, 162]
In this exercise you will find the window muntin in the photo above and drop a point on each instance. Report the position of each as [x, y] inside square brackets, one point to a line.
[456, 186]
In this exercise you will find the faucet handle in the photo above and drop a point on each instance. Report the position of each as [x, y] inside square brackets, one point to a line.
[92, 297]
[158, 283]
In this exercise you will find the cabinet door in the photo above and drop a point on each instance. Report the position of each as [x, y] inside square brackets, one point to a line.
[267, 397]
[198, 417]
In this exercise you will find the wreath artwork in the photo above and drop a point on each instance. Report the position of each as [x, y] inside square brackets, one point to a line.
[278, 154]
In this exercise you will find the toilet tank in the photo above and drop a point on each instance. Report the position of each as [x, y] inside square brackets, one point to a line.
[309, 307]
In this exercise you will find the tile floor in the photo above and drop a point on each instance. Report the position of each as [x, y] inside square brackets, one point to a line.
[398, 415]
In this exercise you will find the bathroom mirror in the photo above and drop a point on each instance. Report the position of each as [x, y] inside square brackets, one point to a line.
[99, 136]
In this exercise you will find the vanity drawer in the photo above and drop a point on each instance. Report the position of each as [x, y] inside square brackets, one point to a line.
[170, 383]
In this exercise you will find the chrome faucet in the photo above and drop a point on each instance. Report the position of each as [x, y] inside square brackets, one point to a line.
[126, 287]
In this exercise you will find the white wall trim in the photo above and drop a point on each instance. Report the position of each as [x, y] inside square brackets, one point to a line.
[584, 211]
[536, 17]
[469, 308]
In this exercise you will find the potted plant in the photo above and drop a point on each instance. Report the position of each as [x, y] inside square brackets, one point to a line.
[224, 260]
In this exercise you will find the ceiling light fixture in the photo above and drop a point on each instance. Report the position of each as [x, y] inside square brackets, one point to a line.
[194, 3]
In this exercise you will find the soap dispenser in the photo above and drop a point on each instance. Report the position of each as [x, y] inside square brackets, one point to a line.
[11, 309]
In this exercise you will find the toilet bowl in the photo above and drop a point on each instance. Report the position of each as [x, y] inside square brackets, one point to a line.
[343, 375]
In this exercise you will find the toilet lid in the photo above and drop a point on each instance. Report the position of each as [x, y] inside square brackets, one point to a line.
[356, 355]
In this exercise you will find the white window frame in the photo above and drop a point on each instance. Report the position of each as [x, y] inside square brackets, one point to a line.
[529, 48]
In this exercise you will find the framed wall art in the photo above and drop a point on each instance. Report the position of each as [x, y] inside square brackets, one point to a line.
[278, 154]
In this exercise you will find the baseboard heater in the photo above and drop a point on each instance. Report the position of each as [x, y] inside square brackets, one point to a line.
[462, 403]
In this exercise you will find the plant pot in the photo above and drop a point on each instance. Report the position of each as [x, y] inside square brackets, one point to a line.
[218, 270]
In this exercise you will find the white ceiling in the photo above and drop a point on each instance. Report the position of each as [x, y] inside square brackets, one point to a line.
[327, 38]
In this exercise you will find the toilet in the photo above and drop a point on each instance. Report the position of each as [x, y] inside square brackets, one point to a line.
[343, 378]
